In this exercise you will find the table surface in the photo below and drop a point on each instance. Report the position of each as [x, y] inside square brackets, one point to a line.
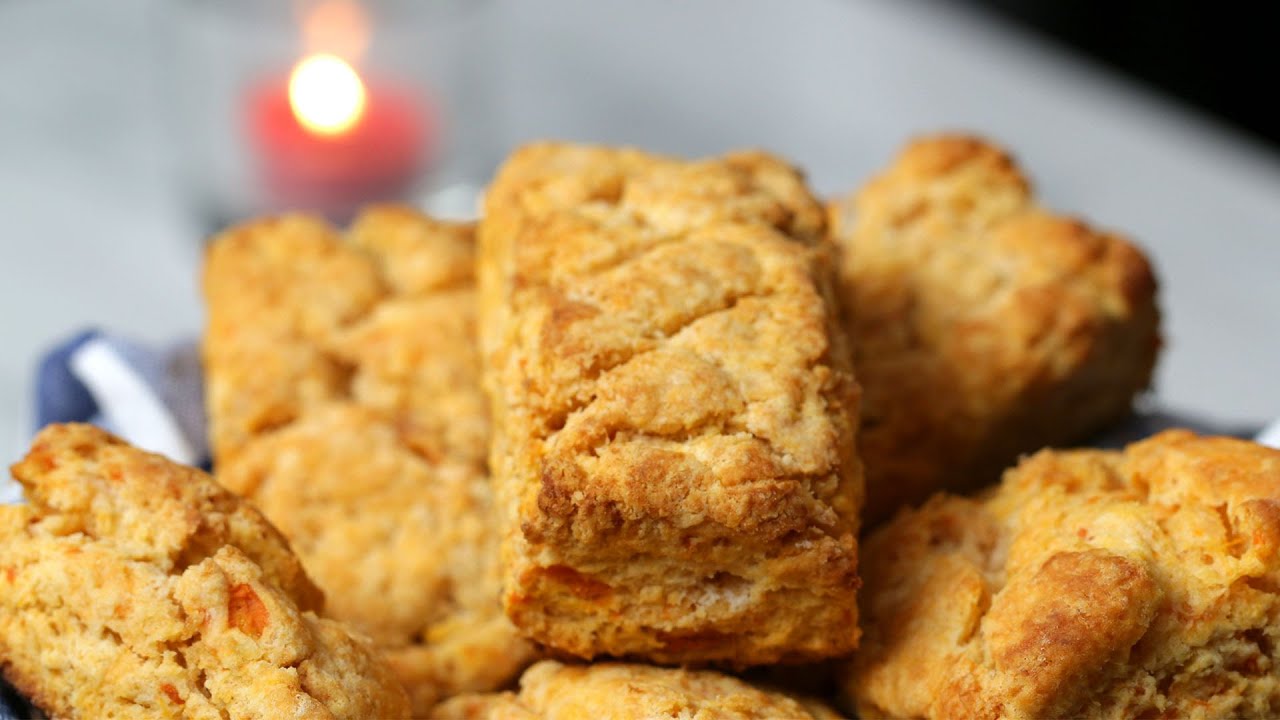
[96, 232]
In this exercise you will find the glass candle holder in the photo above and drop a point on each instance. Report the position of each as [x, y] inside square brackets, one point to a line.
[328, 105]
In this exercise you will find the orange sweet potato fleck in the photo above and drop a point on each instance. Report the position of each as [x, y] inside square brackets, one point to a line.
[246, 612]
[172, 692]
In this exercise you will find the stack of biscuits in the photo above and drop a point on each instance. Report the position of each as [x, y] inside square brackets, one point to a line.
[660, 438]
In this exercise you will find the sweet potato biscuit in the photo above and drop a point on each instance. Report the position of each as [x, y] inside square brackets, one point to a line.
[674, 411]
[134, 587]
[984, 326]
[1090, 584]
[343, 384]
[620, 691]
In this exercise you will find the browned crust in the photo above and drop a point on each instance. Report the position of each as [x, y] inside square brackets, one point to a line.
[343, 387]
[135, 586]
[99, 485]
[1089, 584]
[985, 326]
[552, 690]
[673, 407]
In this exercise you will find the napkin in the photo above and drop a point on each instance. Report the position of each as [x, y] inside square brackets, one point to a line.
[150, 396]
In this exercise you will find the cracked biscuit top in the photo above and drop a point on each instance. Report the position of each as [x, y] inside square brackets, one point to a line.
[671, 394]
[301, 316]
[343, 385]
[134, 587]
[984, 325]
[1089, 584]
[619, 691]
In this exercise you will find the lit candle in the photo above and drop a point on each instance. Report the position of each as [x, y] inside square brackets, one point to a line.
[326, 140]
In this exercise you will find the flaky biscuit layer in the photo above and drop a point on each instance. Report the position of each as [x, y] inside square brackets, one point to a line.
[673, 405]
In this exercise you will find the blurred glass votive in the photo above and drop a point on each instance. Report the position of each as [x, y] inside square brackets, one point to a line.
[328, 105]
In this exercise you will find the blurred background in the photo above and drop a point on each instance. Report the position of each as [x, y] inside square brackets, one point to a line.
[1213, 59]
[130, 129]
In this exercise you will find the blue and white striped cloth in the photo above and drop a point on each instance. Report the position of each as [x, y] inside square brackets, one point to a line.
[152, 397]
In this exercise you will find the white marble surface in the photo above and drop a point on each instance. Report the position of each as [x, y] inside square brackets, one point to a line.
[95, 232]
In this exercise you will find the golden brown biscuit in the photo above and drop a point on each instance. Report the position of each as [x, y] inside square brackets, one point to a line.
[133, 587]
[984, 326]
[620, 691]
[343, 387]
[674, 409]
[1090, 584]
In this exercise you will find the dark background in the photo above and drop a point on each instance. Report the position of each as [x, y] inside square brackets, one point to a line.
[1223, 57]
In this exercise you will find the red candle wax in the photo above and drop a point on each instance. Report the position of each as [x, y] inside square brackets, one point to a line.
[375, 154]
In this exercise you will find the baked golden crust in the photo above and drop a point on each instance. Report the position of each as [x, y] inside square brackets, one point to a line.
[1090, 584]
[300, 317]
[984, 326]
[135, 587]
[343, 386]
[620, 691]
[673, 408]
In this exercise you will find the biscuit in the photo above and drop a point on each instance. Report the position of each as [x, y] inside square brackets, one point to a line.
[343, 385]
[620, 691]
[674, 412]
[984, 326]
[136, 587]
[1090, 584]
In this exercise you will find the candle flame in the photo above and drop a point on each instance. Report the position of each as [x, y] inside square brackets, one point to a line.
[326, 94]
